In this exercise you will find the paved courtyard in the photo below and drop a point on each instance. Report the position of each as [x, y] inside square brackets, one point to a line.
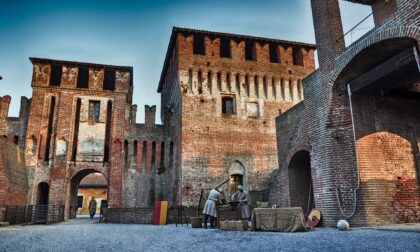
[88, 235]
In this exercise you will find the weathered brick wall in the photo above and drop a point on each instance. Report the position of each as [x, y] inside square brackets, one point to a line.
[141, 180]
[58, 169]
[13, 176]
[213, 142]
[328, 124]
[290, 139]
[14, 128]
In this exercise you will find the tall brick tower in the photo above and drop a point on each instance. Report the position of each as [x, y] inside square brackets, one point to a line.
[221, 93]
[78, 117]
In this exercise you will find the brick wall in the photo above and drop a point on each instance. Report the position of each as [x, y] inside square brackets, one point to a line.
[388, 191]
[13, 176]
[213, 142]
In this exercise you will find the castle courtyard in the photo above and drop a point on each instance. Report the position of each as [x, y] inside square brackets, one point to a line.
[90, 235]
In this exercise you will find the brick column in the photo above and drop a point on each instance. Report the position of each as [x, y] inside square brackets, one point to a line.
[279, 95]
[287, 97]
[328, 30]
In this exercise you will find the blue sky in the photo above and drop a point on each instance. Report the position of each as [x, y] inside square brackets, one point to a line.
[136, 33]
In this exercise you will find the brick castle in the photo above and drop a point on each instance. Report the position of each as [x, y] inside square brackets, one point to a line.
[249, 109]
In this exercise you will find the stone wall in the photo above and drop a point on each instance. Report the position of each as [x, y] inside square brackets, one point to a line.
[13, 176]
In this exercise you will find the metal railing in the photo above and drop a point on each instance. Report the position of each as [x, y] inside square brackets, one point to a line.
[33, 214]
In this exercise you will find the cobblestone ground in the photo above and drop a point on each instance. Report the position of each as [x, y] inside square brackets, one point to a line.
[88, 235]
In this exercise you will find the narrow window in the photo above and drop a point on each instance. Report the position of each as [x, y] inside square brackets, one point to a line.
[107, 130]
[274, 56]
[162, 154]
[238, 84]
[273, 86]
[109, 79]
[56, 71]
[225, 47]
[83, 77]
[227, 105]
[291, 89]
[144, 153]
[247, 86]
[49, 129]
[228, 85]
[219, 81]
[209, 82]
[39, 148]
[79, 201]
[200, 82]
[125, 151]
[190, 79]
[198, 45]
[297, 57]
[94, 111]
[250, 53]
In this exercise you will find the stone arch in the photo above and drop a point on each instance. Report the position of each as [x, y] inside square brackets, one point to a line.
[389, 178]
[73, 186]
[375, 37]
[238, 175]
[301, 192]
[43, 191]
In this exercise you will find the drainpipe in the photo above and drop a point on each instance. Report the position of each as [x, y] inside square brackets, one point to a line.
[357, 164]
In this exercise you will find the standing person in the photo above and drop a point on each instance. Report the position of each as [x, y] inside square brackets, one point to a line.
[210, 207]
[241, 197]
[92, 207]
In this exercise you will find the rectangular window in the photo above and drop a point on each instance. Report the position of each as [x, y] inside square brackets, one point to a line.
[199, 46]
[274, 56]
[79, 201]
[83, 77]
[94, 111]
[109, 79]
[250, 53]
[297, 57]
[225, 47]
[228, 105]
[56, 71]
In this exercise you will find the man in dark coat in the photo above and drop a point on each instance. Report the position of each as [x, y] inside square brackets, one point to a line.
[92, 207]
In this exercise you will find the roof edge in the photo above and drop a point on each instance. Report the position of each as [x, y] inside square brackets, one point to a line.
[45, 60]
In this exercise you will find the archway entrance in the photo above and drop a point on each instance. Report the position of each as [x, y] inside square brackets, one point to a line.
[43, 193]
[85, 186]
[300, 182]
[237, 175]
